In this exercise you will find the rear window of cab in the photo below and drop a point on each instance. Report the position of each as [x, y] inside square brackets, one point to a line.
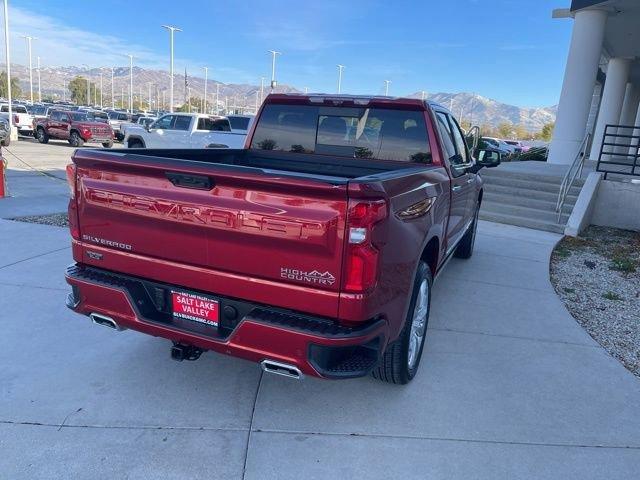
[375, 133]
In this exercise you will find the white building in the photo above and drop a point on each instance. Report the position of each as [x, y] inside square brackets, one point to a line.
[602, 77]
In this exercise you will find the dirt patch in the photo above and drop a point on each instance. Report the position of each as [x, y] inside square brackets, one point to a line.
[598, 277]
[55, 219]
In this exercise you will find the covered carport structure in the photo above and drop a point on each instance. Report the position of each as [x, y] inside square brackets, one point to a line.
[602, 76]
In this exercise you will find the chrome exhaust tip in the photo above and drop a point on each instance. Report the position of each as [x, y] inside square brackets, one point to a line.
[104, 321]
[283, 369]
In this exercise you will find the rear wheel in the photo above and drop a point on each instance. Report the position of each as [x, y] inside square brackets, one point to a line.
[6, 142]
[107, 144]
[465, 247]
[401, 360]
[76, 140]
[135, 143]
[41, 135]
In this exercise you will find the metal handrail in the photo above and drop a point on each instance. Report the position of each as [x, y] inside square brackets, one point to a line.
[574, 171]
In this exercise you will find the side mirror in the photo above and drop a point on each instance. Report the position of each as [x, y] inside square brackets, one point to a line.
[489, 158]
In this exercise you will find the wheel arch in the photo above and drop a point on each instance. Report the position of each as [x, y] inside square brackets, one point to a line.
[431, 254]
[136, 138]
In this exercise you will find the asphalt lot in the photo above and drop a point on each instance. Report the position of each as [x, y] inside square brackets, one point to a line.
[510, 386]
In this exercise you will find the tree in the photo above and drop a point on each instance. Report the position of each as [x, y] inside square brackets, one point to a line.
[196, 103]
[547, 132]
[78, 89]
[505, 130]
[16, 91]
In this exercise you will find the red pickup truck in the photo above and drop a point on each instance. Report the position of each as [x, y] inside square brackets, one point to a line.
[311, 251]
[75, 127]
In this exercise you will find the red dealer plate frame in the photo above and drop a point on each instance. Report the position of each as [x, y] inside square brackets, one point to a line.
[194, 307]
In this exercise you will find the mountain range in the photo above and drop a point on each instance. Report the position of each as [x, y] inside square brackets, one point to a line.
[471, 107]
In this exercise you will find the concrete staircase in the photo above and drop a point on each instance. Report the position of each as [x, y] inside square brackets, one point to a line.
[525, 199]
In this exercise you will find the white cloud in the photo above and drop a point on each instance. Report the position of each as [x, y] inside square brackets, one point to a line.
[61, 44]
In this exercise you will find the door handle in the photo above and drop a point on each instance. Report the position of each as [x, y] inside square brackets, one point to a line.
[471, 180]
[456, 188]
[199, 182]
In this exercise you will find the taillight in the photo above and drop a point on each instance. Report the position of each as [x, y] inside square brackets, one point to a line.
[72, 180]
[361, 262]
[16, 119]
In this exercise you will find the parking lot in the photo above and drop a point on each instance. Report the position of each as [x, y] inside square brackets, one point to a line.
[510, 385]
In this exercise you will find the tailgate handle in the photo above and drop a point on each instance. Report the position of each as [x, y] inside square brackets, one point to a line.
[200, 182]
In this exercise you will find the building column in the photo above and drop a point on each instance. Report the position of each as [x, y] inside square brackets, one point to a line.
[628, 115]
[612, 98]
[635, 143]
[630, 104]
[578, 85]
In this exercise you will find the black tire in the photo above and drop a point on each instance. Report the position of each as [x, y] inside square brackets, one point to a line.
[107, 144]
[465, 247]
[41, 135]
[135, 143]
[394, 367]
[76, 140]
[6, 142]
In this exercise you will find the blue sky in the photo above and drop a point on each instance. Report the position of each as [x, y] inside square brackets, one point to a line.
[509, 50]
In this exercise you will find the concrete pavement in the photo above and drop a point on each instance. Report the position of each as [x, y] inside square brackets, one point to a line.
[510, 387]
[36, 178]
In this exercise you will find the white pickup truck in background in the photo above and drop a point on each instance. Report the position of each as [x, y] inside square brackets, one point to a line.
[22, 120]
[185, 130]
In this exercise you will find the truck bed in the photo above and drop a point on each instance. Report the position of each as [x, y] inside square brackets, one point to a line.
[336, 170]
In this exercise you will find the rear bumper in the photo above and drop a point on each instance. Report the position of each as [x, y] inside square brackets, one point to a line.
[317, 346]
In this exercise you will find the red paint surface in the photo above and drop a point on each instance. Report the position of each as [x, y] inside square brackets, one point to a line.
[256, 236]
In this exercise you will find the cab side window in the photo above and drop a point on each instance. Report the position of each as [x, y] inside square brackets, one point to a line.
[461, 145]
[446, 134]
[164, 123]
[182, 122]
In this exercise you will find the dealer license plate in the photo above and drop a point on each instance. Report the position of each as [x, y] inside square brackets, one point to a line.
[196, 308]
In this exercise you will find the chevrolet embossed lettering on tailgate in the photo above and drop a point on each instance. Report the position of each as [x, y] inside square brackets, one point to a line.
[253, 228]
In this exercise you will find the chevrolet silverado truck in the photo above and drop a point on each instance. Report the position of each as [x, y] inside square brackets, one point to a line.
[74, 127]
[185, 130]
[311, 251]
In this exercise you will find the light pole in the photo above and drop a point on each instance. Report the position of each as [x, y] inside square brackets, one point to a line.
[88, 91]
[113, 98]
[172, 30]
[8, 59]
[386, 87]
[39, 90]
[273, 67]
[340, 68]
[64, 90]
[130, 82]
[29, 39]
[261, 89]
[217, 97]
[101, 88]
[306, 89]
[423, 93]
[206, 77]
[149, 84]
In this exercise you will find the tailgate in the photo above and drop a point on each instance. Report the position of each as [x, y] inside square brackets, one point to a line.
[230, 219]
